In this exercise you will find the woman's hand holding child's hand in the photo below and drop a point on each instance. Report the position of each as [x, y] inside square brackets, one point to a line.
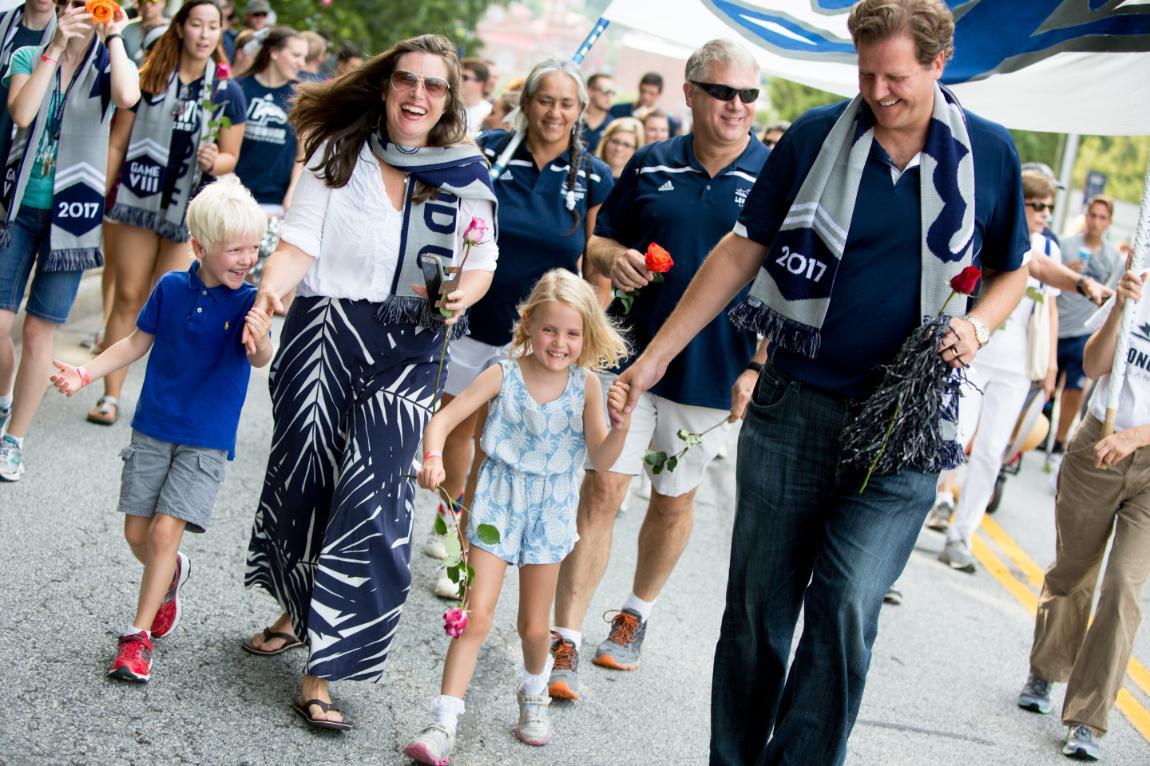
[617, 402]
[431, 474]
[257, 325]
[69, 379]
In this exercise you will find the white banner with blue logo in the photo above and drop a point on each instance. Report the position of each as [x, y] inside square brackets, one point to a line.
[1067, 66]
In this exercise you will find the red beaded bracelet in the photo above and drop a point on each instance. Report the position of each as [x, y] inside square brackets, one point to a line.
[85, 379]
[432, 453]
[49, 59]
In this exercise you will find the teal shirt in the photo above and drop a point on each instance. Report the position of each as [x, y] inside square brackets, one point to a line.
[38, 192]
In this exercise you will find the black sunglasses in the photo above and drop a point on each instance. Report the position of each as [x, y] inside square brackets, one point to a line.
[1041, 207]
[726, 92]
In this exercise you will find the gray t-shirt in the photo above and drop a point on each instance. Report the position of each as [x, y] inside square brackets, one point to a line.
[1103, 266]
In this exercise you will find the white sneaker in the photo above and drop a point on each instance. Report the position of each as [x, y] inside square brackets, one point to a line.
[939, 517]
[432, 746]
[444, 587]
[11, 459]
[435, 547]
[957, 555]
[534, 727]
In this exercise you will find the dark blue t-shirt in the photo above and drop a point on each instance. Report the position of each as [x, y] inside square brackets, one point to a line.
[874, 303]
[665, 196]
[197, 374]
[592, 136]
[269, 147]
[537, 232]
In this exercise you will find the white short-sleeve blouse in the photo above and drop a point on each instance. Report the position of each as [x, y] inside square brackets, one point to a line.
[353, 233]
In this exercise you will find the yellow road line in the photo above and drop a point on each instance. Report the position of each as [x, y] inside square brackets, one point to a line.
[1136, 670]
[1130, 707]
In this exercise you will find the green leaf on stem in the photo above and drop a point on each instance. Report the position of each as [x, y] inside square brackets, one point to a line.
[470, 573]
[656, 459]
[451, 543]
[625, 298]
[453, 573]
[672, 462]
[657, 277]
[691, 438]
[440, 525]
[487, 534]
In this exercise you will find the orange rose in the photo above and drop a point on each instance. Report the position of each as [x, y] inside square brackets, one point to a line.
[103, 11]
[658, 260]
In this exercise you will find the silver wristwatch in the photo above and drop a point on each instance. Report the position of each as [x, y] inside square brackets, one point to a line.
[981, 333]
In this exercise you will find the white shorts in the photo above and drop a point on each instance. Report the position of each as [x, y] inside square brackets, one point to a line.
[654, 424]
[468, 359]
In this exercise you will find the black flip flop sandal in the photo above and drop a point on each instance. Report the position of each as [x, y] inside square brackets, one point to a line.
[320, 723]
[290, 642]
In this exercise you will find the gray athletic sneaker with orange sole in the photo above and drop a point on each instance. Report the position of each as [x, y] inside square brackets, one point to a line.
[622, 648]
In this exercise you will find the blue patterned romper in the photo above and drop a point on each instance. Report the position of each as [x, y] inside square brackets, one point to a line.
[527, 486]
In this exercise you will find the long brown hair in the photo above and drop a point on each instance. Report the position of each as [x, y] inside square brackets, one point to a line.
[276, 40]
[344, 113]
[165, 56]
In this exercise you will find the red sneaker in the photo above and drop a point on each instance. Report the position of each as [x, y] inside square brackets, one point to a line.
[134, 660]
[168, 615]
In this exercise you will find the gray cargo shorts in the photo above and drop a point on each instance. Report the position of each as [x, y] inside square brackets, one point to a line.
[174, 479]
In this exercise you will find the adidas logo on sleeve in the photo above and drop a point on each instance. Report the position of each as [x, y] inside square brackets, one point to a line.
[668, 186]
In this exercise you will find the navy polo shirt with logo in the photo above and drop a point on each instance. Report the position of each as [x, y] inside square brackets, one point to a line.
[874, 303]
[197, 374]
[665, 196]
[537, 232]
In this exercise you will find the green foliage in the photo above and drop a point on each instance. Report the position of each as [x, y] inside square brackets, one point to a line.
[440, 525]
[790, 99]
[374, 26]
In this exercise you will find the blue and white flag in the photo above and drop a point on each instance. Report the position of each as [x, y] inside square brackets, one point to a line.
[1067, 66]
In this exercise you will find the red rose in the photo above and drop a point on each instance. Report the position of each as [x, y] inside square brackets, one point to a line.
[658, 260]
[966, 280]
[223, 71]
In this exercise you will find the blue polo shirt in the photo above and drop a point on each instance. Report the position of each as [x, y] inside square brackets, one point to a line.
[874, 304]
[197, 374]
[592, 136]
[537, 232]
[664, 195]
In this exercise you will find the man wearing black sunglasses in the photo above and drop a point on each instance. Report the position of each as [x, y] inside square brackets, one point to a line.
[683, 194]
[257, 14]
[869, 224]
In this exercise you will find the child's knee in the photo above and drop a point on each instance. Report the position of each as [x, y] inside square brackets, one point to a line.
[165, 532]
[136, 530]
[534, 631]
[478, 624]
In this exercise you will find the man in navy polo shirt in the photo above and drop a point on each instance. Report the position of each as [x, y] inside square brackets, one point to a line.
[682, 194]
[804, 536]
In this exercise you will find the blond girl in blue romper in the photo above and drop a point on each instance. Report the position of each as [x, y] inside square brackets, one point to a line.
[546, 412]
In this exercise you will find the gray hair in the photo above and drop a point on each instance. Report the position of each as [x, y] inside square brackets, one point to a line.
[535, 78]
[718, 51]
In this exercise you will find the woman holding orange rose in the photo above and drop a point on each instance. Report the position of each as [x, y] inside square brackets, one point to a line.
[163, 152]
[61, 97]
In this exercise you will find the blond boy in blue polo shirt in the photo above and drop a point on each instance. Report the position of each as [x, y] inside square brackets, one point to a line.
[184, 429]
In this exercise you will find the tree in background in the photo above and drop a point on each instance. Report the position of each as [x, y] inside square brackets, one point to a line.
[375, 25]
[1122, 158]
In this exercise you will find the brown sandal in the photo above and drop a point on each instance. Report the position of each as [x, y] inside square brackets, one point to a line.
[106, 412]
[289, 642]
[320, 723]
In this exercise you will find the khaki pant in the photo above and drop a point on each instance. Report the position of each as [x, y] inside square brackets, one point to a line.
[1091, 656]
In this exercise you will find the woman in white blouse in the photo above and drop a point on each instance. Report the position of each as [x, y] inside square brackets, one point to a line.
[391, 184]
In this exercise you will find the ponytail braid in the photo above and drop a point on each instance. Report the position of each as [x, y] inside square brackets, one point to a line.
[577, 155]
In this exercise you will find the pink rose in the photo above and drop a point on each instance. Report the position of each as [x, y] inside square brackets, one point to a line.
[476, 231]
[223, 71]
[454, 622]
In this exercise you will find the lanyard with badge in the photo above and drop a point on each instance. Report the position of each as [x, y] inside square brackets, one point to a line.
[50, 138]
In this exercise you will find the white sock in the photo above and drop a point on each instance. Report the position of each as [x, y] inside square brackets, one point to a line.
[133, 630]
[574, 636]
[447, 710]
[639, 606]
[536, 684]
[5, 401]
[19, 440]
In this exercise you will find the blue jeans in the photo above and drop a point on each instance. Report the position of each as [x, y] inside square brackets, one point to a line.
[804, 538]
[53, 293]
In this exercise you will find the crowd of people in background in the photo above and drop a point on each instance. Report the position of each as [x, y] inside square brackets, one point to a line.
[180, 151]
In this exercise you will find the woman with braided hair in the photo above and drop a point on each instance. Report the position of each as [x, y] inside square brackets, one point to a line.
[549, 191]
